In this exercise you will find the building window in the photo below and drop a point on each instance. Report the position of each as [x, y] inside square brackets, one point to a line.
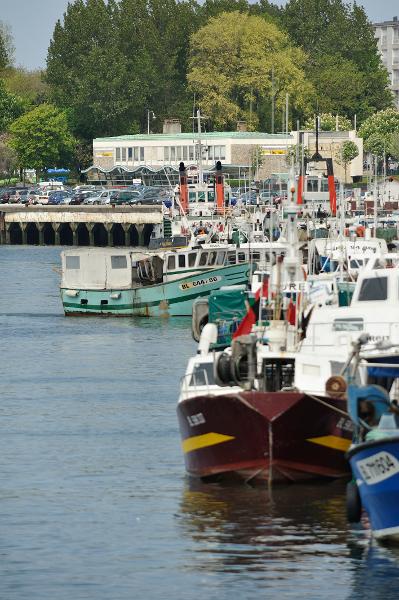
[117, 154]
[191, 153]
[130, 154]
[172, 154]
[185, 152]
[123, 154]
[141, 153]
[166, 154]
[178, 153]
[210, 152]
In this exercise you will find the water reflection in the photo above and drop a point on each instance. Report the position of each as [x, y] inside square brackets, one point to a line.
[376, 572]
[244, 526]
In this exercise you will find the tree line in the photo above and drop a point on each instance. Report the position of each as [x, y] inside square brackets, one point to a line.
[110, 62]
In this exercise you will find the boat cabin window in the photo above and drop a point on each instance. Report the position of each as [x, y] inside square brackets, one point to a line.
[241, 257]
[211, 196]
[356, 263]
[171, 263]
[220, 258]
[192, 196]
[277, 374]
[202, 375]
[201, 197]
[231, 258]
[72, 262]
[191, 259]
[212, 258]
[182, 261]
[374, 288]
[256, 256]
[119, 262]
[203, 259]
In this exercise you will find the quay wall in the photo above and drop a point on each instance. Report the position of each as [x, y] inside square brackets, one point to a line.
[78, 225]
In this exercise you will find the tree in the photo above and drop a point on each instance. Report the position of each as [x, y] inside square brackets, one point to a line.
[8, 157]
[42, 138]
[6, 47]
[346, 153]
[252, 48]
[393, 147]
[11, 107]
[88, 73]
[339, 36]
[378, 129]
[328, 122]
[28, 85]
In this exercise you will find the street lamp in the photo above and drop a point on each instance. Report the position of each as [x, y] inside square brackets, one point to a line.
[150, 112]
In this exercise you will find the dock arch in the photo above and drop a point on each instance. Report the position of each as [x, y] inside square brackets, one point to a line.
[66, 235]
[32, 234]
[117, 235]
[100, 235]
[15, 233]
[48, 234]
[82, 235]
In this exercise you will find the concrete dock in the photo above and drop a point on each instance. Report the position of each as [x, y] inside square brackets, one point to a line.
[79, 225]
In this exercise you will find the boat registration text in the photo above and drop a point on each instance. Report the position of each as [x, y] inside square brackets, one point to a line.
[378, 467]
[199, 282]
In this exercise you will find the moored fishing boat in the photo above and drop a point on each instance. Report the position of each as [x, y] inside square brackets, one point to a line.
[374, 453]
[261, 409]
[124, 282]
[273, 405]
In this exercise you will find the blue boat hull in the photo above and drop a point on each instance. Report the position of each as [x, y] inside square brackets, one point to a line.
[375, 467]
[174, 298]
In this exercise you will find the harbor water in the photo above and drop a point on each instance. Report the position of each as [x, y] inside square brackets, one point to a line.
[94, 500]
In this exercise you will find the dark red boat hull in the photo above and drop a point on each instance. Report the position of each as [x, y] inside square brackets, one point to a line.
[272, 436]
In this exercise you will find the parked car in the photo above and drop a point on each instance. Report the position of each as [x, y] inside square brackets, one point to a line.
[126, 197]
[60, 197]
[93, 198]
[5, 194]
[105, 196]
[79, 197]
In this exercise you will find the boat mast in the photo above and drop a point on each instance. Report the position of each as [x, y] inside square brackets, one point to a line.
[200, 176]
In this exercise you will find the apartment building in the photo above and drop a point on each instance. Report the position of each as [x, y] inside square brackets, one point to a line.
[387, 35]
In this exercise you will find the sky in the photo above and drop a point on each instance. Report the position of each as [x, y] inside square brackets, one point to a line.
[32, 24]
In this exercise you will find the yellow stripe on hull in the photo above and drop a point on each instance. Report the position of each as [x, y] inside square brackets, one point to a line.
[332, 441]
[203, 441]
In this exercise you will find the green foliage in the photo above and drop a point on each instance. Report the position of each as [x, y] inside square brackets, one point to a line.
[251, 47]
[328, 122]
[393, 147]
[343, 55]
[42, 138]
[28, 85]
[8, 157]
[349, 151]
[346, 153]
[6, 47]
[11, 107]
[378, 129]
